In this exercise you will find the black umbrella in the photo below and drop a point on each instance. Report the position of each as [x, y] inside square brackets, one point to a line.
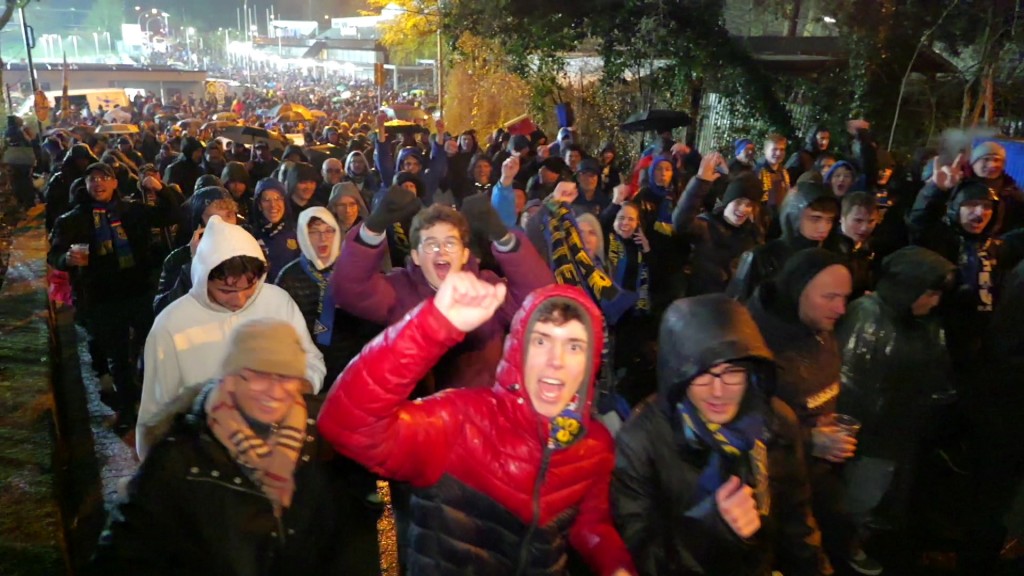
[655, 121]
[241, 133]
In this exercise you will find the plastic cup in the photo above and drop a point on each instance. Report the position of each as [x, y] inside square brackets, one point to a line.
[80, 249]
[848, 424]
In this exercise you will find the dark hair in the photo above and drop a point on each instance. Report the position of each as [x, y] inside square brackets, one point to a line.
[859, 199]
[820, 161]
[438, 214]
[558, 311]
[825, 204]
[573, 148]
[238, 267]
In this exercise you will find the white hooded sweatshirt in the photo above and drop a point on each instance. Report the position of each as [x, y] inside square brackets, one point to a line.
[189, 339]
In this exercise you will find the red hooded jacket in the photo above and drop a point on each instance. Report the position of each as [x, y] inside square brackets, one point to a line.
[488, 443]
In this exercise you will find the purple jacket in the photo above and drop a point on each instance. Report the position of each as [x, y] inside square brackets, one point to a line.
[360, 289]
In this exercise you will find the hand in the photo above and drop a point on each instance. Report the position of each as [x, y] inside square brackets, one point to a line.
[398, 204]
[832, 444]
[451, 147]
[565, 192]
[622, 572]
[680, 149]
[853, 125]
[738, 508]
[439, 125]
[509, 169]
[467, 301]
[152, 183]
[77, 258]
[381, 119]
[543, 152]
[193, 244]
[483, 217]
[621, 193]
[641, 240]
[709, 164]
[947, 177]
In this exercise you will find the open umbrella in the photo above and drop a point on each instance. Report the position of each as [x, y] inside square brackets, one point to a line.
[82, 130]
[655, 121]
[118, 129]
[218, 125]
[225, 116]
[252, 135]
[282, 109]
[189, 122]
[290, 116]
[318, 113]
[403, 127]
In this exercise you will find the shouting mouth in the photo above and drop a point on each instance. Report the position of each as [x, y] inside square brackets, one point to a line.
[550, 390]
[442, 267]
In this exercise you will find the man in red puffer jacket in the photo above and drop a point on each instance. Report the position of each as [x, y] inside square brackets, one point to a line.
[504, 478]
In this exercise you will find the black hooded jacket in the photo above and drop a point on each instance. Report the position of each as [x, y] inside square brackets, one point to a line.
[803, 160]
[893, 361]
[58, 189]
[668, 528]
[765, 261]
[183, 171]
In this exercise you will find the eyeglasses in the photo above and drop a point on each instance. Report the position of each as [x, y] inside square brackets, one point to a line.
[334, 170]
[328, 233]
[734, 376]
[259, 381]
[450, 245]
[99, 178]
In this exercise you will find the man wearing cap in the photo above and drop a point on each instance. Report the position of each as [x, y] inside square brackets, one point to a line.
[127, 147]
[187, 167]
[261, 163]
[721, 236]
[552, 171]
[743, 156]
[104, 242]
[189, 338]
[239, 480]
[988, 163]
[58, 189]
[591, 198]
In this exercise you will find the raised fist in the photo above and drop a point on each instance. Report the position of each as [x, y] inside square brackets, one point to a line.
[467, 301]
[738, 507]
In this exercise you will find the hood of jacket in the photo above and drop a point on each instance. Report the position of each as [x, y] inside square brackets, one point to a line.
[410, 151]
[793, 207]
[203, 198]
[188, 146]
[258, 219]
[234, 172]
[781, 295]
[509, 377]
[811, 141]
[349, 189]
[294, 149]
[660, 190]
[78, 151]
[908, 273]
[700, 332]
[348, 164]
[302, 233]
[300, 172]
[973, 189]
[220, 242]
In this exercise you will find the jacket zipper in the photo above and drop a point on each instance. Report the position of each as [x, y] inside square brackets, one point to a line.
[524, 550]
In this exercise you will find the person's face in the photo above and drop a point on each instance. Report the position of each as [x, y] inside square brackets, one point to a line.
[440, 252]
[826, 165]
[236, 188]
[304, 190]
[482, 171]
[346, 210]
[823, 138]
[591, 237]
[263, 153]
[738, 211]
[411, 187]
[411, 165]
[322, 237]
[555, 365]
[607, 156]
[573, 159]
[774, 152]
[747, 155]
[884, 175]
[333, 173]
[858, 224]
[124, 147]
[465, 142]
[215, 156]
[548, 177]
[264, 397]
[239, 149]
[358, 165]
[226, 214]
[816, 225]
[718, 393]
[197, 155]
[627, 221]
[333, 137]
[520, 200]
[823, 301]
[587, 181]
[975, 215]
[272, 206]
[990, 166]
[841, 181]
[233, 292]
[100, 186]
[926, 302]
[663, 174]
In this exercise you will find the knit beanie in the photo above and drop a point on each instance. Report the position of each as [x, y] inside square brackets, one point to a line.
[740, 145]
[797, 273]
[743, 185]
[987, 149]
[265, 345]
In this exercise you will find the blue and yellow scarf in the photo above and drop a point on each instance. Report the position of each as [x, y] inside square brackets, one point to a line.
[618, 261]
[110, 235]
[323, 326]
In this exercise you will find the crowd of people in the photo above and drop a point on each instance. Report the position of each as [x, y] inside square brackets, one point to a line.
[695, 362]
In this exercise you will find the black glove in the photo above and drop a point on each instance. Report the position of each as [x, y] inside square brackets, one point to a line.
[397, 205]
[482, 217]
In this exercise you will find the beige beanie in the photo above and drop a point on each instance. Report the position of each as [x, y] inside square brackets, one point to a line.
[266, 345]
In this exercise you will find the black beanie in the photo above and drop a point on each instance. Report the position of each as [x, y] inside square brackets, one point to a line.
[797, 273]
[744, 185]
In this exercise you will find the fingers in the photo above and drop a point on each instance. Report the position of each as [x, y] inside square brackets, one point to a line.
[725, 491]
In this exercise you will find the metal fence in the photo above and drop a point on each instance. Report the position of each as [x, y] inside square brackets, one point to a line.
[720, 124]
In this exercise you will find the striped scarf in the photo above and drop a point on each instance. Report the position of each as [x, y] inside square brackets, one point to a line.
[618, 261]
[110, 235]
[270, 463]
[323, 326]
[772, 195]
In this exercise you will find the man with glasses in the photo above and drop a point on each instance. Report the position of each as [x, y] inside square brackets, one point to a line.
[709, 474]
[104, 242]
[239, 480]
[440, 238]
